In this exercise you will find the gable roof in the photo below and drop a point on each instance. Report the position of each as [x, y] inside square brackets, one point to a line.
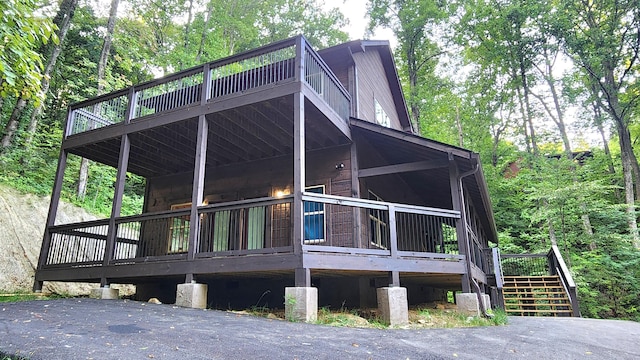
[345, 50]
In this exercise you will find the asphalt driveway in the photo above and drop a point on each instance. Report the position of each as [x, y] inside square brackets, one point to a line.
[120, 329]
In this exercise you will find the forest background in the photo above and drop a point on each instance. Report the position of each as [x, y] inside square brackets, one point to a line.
[546, 91]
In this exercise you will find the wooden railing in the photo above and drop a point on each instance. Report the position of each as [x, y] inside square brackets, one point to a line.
[261, 226]
[266, 66]
[358, 226]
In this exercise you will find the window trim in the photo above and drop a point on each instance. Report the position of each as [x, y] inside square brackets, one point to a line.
[322, 212]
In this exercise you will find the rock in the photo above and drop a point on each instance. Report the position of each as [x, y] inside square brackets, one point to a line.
[22, 220]
[154, 301]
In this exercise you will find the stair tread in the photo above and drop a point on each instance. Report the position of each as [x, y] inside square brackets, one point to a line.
[540, 295]
[536, 304]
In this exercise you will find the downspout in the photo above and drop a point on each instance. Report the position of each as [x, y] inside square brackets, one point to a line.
[463, 214]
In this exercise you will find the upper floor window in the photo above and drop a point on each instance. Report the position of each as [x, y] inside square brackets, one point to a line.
[381, 116]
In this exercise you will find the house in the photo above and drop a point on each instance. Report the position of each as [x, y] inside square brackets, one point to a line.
[278, 173]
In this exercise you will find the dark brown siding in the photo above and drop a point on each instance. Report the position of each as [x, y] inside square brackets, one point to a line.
[254, 180]
[373, 84]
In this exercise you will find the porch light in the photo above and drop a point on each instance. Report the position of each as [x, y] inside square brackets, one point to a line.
[281, 193]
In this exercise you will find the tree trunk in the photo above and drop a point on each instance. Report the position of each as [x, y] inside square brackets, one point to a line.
[12, 124]
[627, 169]
[527, 104]
[205, 28]
[557, 115]
[63, 21]
[83, 175]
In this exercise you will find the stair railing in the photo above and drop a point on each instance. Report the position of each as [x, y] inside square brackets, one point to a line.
[557, 266]
[499, 276]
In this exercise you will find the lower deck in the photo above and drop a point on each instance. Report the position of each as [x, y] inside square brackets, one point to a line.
[343, 238]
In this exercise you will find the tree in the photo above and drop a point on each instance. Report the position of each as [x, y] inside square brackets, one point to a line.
[604, 40]
[102, 66]
[415, 24]
[502, 36]
[22, 34]
[62, 22]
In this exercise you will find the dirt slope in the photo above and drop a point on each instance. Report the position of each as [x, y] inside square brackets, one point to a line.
[22, 220]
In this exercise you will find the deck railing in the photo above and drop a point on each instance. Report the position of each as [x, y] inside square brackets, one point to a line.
[266, 66]
[78, 244]
[246, 227]
[261, 226]
[332, 223]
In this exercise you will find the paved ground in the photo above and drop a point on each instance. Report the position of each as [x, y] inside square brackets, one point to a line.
[118, 329]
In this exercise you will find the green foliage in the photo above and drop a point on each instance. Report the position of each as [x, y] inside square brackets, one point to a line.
[22, 33]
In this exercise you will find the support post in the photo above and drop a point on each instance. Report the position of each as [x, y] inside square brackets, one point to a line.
[302, 277]
[394, 276]
[461, 223]
[51, 216]
[121, 177]
[355, 192]
[197, 194]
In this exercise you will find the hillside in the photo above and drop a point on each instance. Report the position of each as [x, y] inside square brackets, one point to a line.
[22, 220]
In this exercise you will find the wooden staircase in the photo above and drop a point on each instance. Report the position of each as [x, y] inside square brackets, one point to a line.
[536, 296]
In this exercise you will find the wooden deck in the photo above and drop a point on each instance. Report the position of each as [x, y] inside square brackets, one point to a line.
[150, 245]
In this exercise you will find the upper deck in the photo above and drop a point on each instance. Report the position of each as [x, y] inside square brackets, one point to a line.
[268, 72]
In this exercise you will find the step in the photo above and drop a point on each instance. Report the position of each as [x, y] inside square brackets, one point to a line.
[538, 299]
[512, 304]
[533, 291]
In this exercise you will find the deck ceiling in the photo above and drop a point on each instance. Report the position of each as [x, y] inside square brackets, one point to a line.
[257, 131]
[427, 184]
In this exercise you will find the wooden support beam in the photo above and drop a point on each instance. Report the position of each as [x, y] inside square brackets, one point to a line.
[461, 223]
[121, 178]
[355, 192]
[302, 275]
[197, 193]
[400, 168]
[394, 276]
[51, 216]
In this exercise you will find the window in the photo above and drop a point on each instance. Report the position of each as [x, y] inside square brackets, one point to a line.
[379, 233]
[314, 223]
[381, 116]
[179, 231]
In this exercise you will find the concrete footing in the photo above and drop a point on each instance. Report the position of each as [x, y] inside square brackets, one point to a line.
[301, 303]
[104, 293]
[468, 303]
[192, 295]
[486, 300]
[393, 305]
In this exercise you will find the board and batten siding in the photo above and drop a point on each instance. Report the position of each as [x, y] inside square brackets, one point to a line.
[373, 84]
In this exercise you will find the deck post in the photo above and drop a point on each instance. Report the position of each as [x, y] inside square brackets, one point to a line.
[461, 223]
[394, 275]
[355, 192]
[302, 275]
[197, 194]
[51, 216]
[121, 177]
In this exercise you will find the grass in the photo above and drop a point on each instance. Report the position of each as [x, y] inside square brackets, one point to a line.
[26, 296]
[425, 316]
[4, 356]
